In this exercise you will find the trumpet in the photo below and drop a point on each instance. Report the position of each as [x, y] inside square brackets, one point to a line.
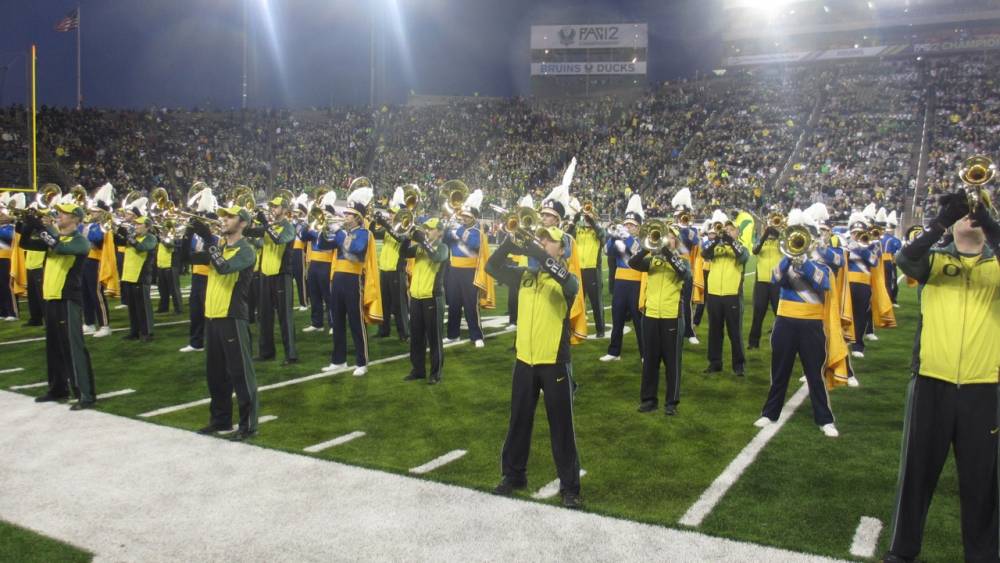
[521, 224]
[321, 220]
[44, 200]
[653, 235]
[796, 242]
[976, 172]
[587, 207]
[411, 197]
[862, 236]
[776, 220]
[684, 218]
[455, 193]
[718, 228]
[876, 232]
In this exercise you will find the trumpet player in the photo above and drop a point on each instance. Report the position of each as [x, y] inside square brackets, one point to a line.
[392, 274]
[137, 275]
[622, 245]
[276, 285]
[203, 203]
[589, 237]
[66, 353]
[466, 244]
[765, 292]
[690, 248]
[429, 254]
[890, 246]
[662, 321]
[724, 299]
[168, 281]
[101, 268]
[298, 212]
[320, 261]
[951, 401]
[864, 256]
[799, 328]
[8, 301]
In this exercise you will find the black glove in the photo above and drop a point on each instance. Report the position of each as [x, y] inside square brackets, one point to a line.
[419, 235]
[215, 255]
[983, 219]
[201, 229]
[535, 250]
[47, 238]
[33, 222]
[262, 218]
[121, 232]
[554, 268]
[726, 238]
[953, 207]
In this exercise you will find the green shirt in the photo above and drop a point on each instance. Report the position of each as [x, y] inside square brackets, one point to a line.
[229, 281]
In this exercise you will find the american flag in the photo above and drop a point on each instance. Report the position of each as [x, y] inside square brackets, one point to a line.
[69, 23]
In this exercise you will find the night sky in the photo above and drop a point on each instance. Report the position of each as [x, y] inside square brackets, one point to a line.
[184, 53]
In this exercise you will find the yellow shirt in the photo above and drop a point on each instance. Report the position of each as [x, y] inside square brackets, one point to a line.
[589, 246]
[663, 290]
[726, 274]
[768, 259]
[34, 259]
[163, 255]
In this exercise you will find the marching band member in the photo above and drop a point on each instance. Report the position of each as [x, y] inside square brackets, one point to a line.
[65, 352]
[354, 288]
[228, 366]
[203, 203]
[8, 301]
[864, 255]
[427, 295]
[276, 285]
[469, 251]
[662, 321]
[168, 280]
[542, 361]
[319, 271]
[590, 237]
[515, 260]
[765, 293]
[703, 267]
[724, 299]
[554, 208]
[890, 246]
[100, 271]
[392, 274]
[799, 329]
[622, 244]
[300, 207]
[690, 249]
[34, 266]
[137, 272]
[951, 401]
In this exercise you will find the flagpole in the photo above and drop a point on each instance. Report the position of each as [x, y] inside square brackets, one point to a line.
[79, 87]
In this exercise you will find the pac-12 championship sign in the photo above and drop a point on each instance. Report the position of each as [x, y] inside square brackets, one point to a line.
[589, 36]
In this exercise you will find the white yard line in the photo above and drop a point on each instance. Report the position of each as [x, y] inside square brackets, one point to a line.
[866, 537]
[261, 420]
[316, 448]
[29, 386]
[438, 462]
[118, 393]
[205, 483]
[702, 507]
[11, 370]
[551, 489]
[296, 381]
[42, 338]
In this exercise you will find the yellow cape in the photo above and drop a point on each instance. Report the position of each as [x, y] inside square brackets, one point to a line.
[372, 294]
[882, 314]
[107, 272]
[835, 372]
[577, 313]
[485, 283]
[698, 273]
[18, 273]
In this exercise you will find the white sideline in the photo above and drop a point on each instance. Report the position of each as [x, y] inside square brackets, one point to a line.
[438, 462]
[316, 448]
[702, 507]
[11, 370]
[551, 488]
[29, 385]
[261, 420]
[199, 488]
[296, 381]
[42, 338]
[118, 393]
[866, 537]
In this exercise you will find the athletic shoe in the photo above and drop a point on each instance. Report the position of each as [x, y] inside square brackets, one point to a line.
[857, 354]
[304, 308]
[117, 307]
[609, 358]
[507, 487]
[512, 326]
[413, 377]
[102, 332]
[802, 379]
[763, 422]
[212, 429]
[360, 370]
[8, 319]
[88, 329]
[694, 340]
[647, 406]
[871, 336]
[448, 340]
[895, 305]
[853, 382]
[333, 367]
[572, 500]
[190, 348]
[670, 410]
[480, 344]
[49, 398]
[311, 328]
[242, 435]
[330, 332]
[83, 405]
[830, 430]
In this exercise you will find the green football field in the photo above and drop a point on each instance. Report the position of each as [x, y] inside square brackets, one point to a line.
[803, 492]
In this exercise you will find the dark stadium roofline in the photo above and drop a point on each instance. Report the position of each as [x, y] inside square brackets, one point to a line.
[760, 32]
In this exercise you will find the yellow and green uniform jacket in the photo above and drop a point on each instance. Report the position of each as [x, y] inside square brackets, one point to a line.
[959, 315]
[728, 259]
[664, 284]
[64, 259]
[138, 264]
[589, 242]
[428, 275]
[769, 255]
[230, 270]
[543, 306]
[275, 247]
